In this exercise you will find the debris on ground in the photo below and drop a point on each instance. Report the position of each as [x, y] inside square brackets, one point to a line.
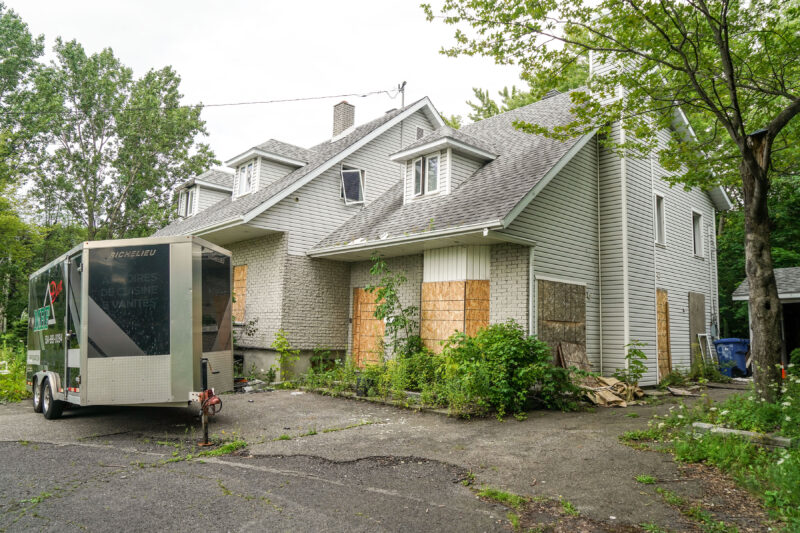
[256, 385]
[608, 392]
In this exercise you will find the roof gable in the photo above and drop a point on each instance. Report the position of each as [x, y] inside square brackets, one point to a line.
[320, 158]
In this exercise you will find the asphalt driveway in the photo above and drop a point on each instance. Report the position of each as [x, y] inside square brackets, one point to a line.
[316, 463]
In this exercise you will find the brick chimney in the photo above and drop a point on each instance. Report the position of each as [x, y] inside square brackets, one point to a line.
[344, 116]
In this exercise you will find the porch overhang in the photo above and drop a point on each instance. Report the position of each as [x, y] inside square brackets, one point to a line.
[232, 231]
[362, 250]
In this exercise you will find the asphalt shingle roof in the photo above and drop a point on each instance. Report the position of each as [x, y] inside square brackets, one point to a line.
[458, 135]
[217, 177]
[787, 279]
[229, 208]
[291, 151]
[487, 196]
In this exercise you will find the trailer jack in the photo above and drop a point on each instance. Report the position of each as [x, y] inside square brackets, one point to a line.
[210, 403]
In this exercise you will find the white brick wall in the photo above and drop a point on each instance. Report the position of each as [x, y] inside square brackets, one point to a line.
[509, 270]
[315, 302]
[264, 258]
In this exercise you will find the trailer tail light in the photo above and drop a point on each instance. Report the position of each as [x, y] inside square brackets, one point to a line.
[73, 389]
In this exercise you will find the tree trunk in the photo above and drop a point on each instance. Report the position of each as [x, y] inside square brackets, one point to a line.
[765, 308]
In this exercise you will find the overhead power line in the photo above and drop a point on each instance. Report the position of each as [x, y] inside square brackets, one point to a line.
[391, 93]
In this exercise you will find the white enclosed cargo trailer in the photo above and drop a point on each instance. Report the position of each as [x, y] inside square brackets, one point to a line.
[130, 322]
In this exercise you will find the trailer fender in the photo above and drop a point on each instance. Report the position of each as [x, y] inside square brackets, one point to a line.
[55, 380]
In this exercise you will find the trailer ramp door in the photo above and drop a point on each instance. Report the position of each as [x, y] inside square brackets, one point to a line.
[129, 325]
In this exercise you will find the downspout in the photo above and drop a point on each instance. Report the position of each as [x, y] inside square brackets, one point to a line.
[624, 208]
[599, 254]
[655, 259]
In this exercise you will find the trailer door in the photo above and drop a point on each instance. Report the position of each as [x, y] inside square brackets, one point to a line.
[129, 325]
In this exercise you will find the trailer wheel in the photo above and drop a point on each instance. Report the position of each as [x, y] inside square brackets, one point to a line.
[37, 396]
[51, 408]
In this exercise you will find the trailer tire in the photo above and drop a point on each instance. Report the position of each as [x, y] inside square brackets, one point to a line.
[51, 408]
[37, 396]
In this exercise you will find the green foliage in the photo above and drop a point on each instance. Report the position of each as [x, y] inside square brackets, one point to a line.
[501, 496]
[287, 356]
[784, 212]
[496, 370]
[402, 325]
[569, 509]
[120, 144]
[703, 371]
[453, 121]
[634, 367]
[12, 385]
[645, 479]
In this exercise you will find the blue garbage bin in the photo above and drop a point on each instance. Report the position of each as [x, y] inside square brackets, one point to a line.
[732, 356]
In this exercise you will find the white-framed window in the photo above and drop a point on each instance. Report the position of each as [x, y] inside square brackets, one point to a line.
[697, 233]
[246, 178]
[352, 186]
[186, 202]
[660, 219]
[426, 174]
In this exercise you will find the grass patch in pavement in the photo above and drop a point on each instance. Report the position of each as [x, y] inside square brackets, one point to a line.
[507, 498]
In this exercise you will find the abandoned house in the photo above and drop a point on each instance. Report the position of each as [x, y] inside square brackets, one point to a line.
[488, 223]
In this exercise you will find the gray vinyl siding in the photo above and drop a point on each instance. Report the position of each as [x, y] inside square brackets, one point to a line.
[462, 168]
[316, 209]
[677, 269]
[562, 221]
[615, 335]
[270, 171]
[641, 262]
[208, 197]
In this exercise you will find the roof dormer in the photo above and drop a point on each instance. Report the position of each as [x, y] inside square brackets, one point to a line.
[430, 162]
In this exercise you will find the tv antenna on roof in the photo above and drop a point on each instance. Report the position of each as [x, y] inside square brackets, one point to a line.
[402, 89]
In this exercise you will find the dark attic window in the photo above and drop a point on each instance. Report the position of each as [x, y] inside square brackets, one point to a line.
[352, 186]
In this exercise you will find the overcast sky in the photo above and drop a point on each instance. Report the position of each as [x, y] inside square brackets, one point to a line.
[234, 51]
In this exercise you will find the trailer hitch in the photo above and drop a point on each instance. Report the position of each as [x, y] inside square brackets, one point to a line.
[210, 403]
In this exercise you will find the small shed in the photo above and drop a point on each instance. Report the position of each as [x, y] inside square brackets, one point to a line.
[788, 281]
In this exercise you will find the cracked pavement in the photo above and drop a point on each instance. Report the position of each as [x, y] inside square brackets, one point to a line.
[348, 466]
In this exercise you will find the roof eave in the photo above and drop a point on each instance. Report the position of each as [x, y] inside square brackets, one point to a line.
[405, 239]
[271, 156]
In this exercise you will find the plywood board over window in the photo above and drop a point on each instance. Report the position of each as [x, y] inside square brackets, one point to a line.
[662, 326]
[561, 313]
[450, 306]
[697, 322]
[368, 331]
[239, 292]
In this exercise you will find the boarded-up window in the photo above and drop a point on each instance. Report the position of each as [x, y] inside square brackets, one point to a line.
[561, 313]
[239, 292]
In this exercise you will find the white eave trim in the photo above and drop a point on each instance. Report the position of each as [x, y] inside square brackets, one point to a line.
[255, 152]
[422, 104]
[219, 226]
[542, 183]
[781, 296]
[442, 144]
[404, 239]
[213, 186]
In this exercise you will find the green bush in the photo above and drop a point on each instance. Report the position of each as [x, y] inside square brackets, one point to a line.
[12, 385]
[497, 368]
